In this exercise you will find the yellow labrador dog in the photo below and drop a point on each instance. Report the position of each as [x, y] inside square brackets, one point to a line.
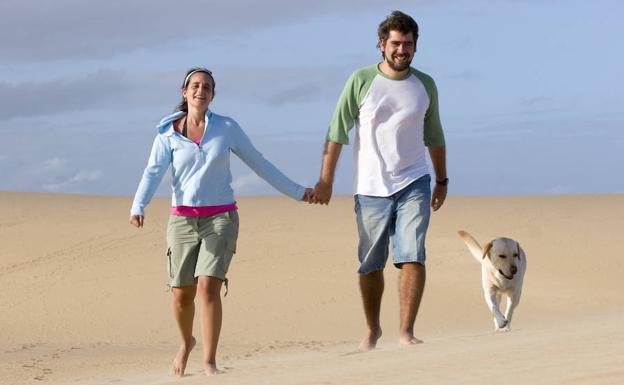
[503, 264]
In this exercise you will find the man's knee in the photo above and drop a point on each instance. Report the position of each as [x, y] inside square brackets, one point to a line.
[412, 266]
[372, 275]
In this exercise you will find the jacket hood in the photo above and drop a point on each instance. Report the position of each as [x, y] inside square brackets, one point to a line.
[164, 122]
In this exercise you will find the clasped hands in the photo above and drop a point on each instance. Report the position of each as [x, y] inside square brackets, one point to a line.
[320, 194]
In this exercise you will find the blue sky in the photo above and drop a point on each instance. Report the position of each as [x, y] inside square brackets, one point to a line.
[531, 92]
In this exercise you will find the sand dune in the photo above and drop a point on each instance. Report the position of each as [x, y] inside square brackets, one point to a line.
[84, 300]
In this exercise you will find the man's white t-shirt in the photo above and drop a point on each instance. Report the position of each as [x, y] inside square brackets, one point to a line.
[395, 119]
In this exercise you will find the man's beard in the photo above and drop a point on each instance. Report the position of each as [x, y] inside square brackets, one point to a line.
[399, 67]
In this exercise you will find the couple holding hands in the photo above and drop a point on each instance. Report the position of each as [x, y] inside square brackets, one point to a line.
[394, 109]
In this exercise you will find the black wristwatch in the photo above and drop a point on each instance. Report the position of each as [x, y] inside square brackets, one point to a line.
[442, 182]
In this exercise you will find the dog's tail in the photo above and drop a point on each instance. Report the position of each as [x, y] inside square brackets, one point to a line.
[473, 245]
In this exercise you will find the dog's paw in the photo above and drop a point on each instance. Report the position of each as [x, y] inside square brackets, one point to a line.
[504, 329]
[500, 323]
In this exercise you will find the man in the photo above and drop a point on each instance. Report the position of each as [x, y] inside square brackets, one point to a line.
[394, 109]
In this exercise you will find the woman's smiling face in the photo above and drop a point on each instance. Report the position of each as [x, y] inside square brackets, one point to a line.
[199, 91]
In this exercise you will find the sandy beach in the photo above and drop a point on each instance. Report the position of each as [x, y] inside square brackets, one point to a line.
[84, 297]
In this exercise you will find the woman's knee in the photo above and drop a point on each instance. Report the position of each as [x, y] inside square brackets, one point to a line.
[184, 296]
[209, 287]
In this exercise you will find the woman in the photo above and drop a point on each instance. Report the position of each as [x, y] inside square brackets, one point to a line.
[203, 226]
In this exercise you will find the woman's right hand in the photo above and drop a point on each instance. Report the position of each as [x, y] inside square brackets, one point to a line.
[136, 220]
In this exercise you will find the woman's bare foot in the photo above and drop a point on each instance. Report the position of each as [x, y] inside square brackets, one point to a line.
[409, 340]
[370, 341]
[211, 369]
[180, 360]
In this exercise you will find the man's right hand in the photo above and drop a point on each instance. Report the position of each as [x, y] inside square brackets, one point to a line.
[136, 220]
[322, 192]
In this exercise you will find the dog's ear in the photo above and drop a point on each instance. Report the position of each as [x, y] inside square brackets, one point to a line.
[518, 250]
[486, 249]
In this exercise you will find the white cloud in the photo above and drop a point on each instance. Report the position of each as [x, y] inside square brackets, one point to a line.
[246, 184]
[96, 90]
[53, 165]
[559, 190]
[42, 30]
[107, 89]
[75, 183]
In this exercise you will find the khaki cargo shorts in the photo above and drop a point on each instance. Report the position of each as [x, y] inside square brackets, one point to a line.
[199, 246]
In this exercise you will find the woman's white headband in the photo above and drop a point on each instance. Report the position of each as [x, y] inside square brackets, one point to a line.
[204, 70]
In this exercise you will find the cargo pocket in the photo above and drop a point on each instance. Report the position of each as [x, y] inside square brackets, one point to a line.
[230, 245]
[168, 284]
[169, 267]
[232, 240]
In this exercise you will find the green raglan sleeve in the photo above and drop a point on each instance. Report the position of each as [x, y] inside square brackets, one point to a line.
[346, 111]
[433, 134]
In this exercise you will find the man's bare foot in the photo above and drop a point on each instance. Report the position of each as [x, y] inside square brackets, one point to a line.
[211, 369]
[370, 341]
[409, 340]
[180, 360]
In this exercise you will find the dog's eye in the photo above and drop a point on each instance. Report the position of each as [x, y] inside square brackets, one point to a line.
[502, 256]
[516, 256]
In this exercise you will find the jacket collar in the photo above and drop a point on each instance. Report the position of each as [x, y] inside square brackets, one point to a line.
[165, 126]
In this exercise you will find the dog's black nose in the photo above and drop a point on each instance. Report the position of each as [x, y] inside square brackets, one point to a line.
[514, 270]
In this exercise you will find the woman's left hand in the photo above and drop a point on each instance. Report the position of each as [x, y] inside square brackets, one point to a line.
[308, 196]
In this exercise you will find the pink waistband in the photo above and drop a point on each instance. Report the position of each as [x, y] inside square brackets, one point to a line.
[201, 211]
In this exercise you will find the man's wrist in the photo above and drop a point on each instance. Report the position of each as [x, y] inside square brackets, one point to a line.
[444, 182]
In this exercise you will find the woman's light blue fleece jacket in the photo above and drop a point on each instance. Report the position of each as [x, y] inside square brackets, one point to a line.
[201, 173]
